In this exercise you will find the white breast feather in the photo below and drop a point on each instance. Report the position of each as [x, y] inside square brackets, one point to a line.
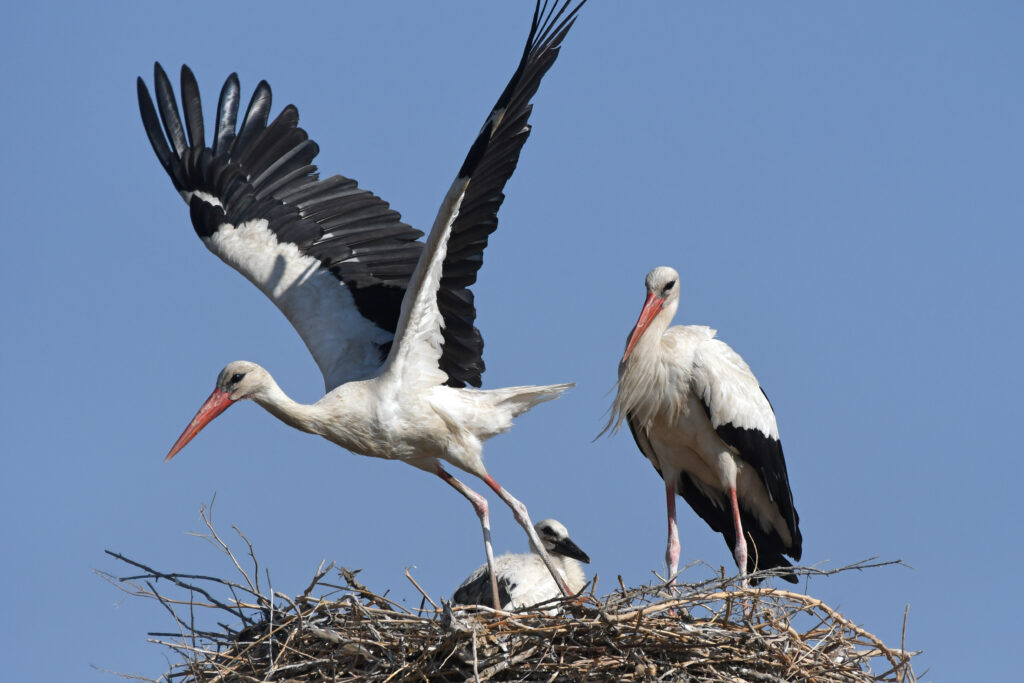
[654, 385]
[532, 578]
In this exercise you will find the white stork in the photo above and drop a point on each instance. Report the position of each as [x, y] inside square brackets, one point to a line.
[523, 580]
[699, 415]
[389, 320]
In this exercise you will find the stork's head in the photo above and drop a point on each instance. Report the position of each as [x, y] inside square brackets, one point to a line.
[662, 296]
[555, 538]
[663, 282]
[239, 380]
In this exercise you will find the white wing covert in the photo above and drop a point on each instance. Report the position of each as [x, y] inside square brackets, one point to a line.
[729, 390]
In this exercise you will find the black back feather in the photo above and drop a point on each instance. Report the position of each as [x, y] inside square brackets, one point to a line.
[478, 591]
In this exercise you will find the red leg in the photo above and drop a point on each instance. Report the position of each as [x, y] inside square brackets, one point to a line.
[523, 517]
[740, 550]
[480, 505]
[672, 548]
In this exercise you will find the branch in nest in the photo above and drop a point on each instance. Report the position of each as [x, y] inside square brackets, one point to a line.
[348, 632]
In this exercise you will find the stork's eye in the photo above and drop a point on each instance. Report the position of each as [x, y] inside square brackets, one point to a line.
[237, 377]
[547, 531]
[669, 286]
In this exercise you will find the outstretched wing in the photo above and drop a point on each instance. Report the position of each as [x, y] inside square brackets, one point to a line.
[333, 257]
[468, 215]
[743, 418]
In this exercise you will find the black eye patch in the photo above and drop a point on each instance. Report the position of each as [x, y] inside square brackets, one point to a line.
[669, 286]
[237, 377]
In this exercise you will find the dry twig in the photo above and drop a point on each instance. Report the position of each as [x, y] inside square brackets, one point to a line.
[635, 634]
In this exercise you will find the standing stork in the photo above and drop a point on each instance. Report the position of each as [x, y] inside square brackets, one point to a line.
[699, 415]
[523, 580]
[389, 320]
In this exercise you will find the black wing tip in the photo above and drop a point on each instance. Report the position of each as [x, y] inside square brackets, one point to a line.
[153, 123]
[796, 548]
[160, 74]
[231, 83]
[773, 560]
[289, 111]
[505, 131]
[547, 31]
[774, 563]
[145, 99]
[771, 555]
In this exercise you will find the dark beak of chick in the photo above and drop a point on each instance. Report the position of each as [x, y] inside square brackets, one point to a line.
[569, 549]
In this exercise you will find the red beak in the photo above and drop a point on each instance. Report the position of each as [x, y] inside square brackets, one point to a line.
[652, 307]
[214, 406]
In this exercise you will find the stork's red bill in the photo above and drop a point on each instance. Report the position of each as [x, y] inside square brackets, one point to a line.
[652, 306]
[217, 403]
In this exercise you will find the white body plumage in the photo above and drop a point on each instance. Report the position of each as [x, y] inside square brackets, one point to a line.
[523, 580]
[698, 414]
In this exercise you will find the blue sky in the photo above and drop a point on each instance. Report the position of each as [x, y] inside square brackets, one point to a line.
[839, 185]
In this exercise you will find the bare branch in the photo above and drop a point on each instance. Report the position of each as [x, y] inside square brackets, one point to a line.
[708, 631]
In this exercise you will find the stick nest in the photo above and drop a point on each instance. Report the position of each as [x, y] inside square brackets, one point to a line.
[340, 630]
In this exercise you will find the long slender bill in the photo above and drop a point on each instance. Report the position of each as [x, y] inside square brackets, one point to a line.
[651, 308]
[214, 406]
[569, 548]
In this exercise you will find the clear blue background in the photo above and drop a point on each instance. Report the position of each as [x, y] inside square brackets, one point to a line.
[839, 184]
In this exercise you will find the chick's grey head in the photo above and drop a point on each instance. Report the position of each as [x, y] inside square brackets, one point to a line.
[555, 538]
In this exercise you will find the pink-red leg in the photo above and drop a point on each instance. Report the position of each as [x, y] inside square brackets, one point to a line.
[740, 550]
[672, 548]
[480, 505]
[523, 517]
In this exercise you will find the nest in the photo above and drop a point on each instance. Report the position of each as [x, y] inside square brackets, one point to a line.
[339, 630]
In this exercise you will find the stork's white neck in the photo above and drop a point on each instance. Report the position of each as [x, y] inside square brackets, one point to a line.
[343, 416]
[299, 415]
[644, 385]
